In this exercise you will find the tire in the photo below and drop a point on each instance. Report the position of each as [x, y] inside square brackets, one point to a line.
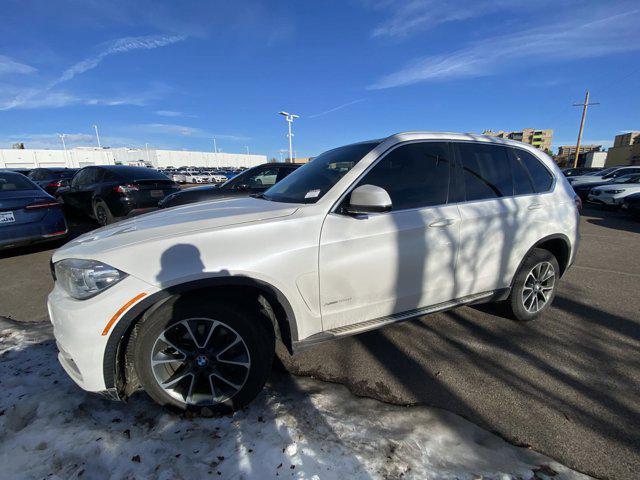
[102, 213]
[202, 354]
[526, 300]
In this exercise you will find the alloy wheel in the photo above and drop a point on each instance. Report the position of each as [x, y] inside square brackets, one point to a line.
[538, 287]
[101, 215]
[200, 361]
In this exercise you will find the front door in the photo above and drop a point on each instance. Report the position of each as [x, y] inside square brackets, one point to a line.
[376, 265]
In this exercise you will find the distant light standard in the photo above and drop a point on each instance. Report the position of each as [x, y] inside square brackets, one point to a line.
[64, 146]
[290, 117]
[146, 146]
[95, 127]
[215, 150]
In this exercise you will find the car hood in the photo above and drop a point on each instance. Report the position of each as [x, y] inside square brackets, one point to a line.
[174, 223]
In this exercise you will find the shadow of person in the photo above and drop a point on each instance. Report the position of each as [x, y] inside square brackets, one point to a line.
[182, 261]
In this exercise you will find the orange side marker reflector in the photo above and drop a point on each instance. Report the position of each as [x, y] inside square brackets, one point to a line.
[121, 311]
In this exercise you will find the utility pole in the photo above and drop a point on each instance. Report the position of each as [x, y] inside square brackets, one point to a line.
[95, 127]
[584, 116]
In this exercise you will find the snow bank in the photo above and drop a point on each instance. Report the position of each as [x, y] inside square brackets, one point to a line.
[297, 428]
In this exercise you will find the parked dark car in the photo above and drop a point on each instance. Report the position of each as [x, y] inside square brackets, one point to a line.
[583, 190]
[250, 182]
[631, 204]
[28, 214]
[51, 179]
[574, 172]
[109, 191]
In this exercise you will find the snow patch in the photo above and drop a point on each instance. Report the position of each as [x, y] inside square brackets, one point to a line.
[297, 428]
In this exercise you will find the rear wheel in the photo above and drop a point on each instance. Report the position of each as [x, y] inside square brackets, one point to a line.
[204, 356]
[534, 286]
[102, 213]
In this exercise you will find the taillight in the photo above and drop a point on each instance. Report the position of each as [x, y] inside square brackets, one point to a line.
[128, 188]
[578, 201]
[55, 184]
[44, 204]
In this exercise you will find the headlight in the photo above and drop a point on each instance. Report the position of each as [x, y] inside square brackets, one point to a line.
[613, 191]
[85, 278]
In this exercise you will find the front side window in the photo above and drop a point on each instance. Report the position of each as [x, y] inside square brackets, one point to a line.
[312, 181]
[81, 178]
[542, 178]
[414, 175]
[486, 171]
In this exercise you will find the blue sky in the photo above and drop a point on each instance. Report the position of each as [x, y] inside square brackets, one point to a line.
[178, 74]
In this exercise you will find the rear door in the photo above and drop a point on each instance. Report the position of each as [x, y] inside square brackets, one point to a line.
[489, 218]
[376, 265]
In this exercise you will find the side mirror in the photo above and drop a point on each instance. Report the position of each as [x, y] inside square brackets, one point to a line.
[242, 186]
[369, 199]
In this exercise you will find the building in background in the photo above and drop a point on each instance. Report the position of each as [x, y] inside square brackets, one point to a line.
[567, 153]
[594, 159]
[82, 157]
[541, 139]
[625, 150]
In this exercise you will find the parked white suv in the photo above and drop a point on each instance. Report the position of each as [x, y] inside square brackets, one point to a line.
[188, 302]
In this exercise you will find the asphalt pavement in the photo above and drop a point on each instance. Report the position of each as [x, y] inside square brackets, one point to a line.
[568, 385]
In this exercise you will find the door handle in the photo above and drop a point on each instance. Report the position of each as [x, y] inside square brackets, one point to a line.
[535, 206]
[443, 222]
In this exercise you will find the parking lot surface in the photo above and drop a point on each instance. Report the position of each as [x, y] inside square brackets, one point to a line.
[567, 384]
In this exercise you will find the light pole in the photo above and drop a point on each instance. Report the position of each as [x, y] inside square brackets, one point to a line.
[146, 146]
[290, 117]
[215, 150]
[95, 127]
[64, 146]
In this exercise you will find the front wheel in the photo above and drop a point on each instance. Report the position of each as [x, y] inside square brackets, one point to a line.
[202, 355]
[534, 285]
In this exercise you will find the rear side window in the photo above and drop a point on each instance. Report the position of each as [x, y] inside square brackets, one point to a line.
[541, 177]
[522, 183]
[486, 171]
[14, 181]
[415, 175]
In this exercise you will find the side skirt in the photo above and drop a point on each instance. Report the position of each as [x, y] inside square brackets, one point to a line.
[367, 325]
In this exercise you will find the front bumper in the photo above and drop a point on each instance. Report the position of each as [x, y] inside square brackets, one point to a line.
[78, 327]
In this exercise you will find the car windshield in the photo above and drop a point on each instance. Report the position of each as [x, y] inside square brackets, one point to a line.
[15, 181]
[310, 182]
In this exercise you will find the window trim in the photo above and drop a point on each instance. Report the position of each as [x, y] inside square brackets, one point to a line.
[355, 184]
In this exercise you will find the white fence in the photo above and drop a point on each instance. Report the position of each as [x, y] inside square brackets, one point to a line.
[80, 157]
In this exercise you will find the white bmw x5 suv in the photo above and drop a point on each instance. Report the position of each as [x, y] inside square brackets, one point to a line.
[187, 303]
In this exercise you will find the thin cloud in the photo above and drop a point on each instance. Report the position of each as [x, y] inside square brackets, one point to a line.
[405, 18]
[172, 113]
[186, 131]
[114, 47]
[335, 109]
[34, 97]
[52, 140]
[585, 37]
[9, 65]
